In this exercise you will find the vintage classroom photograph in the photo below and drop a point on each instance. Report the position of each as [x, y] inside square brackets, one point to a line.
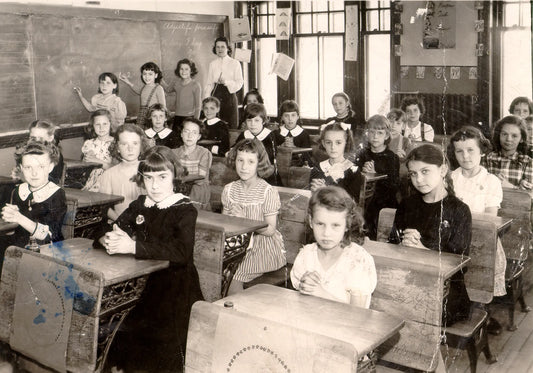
[302, 186]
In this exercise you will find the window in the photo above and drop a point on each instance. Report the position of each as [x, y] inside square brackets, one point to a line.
[319, 55]
[264, 34]
[516, 79]
[376, 31]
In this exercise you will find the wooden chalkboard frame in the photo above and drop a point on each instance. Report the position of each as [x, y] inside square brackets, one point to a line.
[73, 130]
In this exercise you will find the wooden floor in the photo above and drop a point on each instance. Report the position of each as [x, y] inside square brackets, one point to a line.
[514, 350]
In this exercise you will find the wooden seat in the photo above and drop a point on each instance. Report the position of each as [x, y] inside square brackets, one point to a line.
[517, 205]
[471, 335]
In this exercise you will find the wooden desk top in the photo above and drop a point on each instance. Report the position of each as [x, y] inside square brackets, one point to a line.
[115, 268]
[76, 163]
[373, 176]
[417, 259]
[231, 225]
[7, 180]
[86, 198]
[363, 328]
[294, 150]
[502, 223]
[191, 178]
[207, 142]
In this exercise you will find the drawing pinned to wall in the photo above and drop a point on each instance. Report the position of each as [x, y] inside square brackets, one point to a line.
[398, 50]
[455, 72]
[478, 5]
[398, 29]
[243, 55]
[281, 65]
[398, 7]
[480, 49]
[479, 25]
[351, 33]
[404, 71]
[239, 30]
[440, 25]
[472, 73]
[438, 72]
[283, 23]
[420, 72]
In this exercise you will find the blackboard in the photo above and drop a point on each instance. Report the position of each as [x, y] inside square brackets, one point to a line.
[46, 51]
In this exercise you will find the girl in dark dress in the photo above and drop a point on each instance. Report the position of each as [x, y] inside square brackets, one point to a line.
[158, 132]
[159, 225]
[37, 205]
[434, 219]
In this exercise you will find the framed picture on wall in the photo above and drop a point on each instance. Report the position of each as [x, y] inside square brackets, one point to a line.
[455, 72]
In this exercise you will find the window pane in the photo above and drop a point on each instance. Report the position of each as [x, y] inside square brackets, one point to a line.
[336, 5]
[304, 24]
[372, 22]
[336, 22]
[266, 83]
[307, 76]
[516, 66]
[320, 23]
[526, 14]
[385, 20]
[320, 5]
[271, 25]
[377, 74]
[511, 15]
[262, 27]
[332, 68]
[263, 8]
[303, 6]
[372, 4]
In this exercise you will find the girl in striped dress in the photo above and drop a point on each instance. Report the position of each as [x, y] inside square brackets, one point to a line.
[253, 198]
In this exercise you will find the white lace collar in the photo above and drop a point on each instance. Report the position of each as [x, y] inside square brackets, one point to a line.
[336, 171]
[261, 136]
[212, 121]
[40, 195]
[296, 131]
[166, 203]
[162, 134]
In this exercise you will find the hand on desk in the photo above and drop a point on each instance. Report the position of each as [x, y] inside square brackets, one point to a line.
[526, 185]
[368, 167]
[317, 183]
[11, 213]
[412, 238]
[311, 284]
[118, 242]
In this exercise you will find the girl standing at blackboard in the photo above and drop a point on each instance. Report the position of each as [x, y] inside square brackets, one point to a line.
[106, 99]
[188, 92]
[151, 92]
[224, 79]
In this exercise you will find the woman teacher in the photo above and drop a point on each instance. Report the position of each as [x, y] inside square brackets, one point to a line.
[224, 79]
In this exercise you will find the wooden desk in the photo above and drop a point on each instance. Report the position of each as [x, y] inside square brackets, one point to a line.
[220, 246]
[292, 325]
[206, 142]
[502, 223]
[85, 211]
[76, 172]
[411, 285]
[284, 157]
[85, 291]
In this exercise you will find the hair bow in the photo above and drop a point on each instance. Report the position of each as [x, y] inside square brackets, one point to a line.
[344, 126]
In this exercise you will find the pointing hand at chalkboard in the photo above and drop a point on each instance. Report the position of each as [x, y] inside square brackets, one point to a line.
[125, 79]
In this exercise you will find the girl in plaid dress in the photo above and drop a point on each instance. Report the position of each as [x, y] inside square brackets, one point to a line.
[252, 197]
[509, 161]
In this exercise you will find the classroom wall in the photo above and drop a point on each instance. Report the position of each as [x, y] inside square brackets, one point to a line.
[463, 55]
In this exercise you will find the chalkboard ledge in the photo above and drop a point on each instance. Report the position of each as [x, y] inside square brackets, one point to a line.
[65, 131]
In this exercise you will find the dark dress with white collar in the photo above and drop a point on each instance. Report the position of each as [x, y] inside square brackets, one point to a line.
[270, 142]
[155, 332]
[217, 129]
[47, 207]
[300, 139]
[165, 137]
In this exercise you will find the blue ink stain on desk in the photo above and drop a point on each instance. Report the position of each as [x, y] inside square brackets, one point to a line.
[83, 303]
[40, 319]
[57, 314]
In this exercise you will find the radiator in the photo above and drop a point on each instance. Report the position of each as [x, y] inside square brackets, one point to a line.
[445, 112]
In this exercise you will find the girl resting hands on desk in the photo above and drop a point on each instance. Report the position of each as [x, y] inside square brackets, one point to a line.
[253, 198]
[336, 267]
[37, 205]
[159, 226]
[435, 219]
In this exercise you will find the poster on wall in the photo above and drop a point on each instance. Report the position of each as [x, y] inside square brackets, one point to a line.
[352, 29]
[439, 25]
[239, 30]
[283, 23]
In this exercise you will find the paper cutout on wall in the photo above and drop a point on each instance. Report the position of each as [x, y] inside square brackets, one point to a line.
[243, 55]
[420, 72]
[480, 49]
[439, 72]
[351, 33]
[239, 30]
[281, 65]
[283, 23]
[398, 50]
[472, 73]
[398, 29]
[404, 71]
[479, 25]
[455, 72]
[440, 25]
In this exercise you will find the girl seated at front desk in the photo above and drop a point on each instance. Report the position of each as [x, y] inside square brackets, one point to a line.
[434, 219]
